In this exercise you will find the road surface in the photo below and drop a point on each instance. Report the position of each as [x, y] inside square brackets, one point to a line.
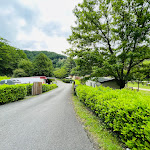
[44, 122]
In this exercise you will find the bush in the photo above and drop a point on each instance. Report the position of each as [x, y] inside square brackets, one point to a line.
[66, 80]
[29, 89]
[4, 77]
[19, 73]
[77, 82]
[126, 112]
[48, 87]
[11, 93]
[49, 81]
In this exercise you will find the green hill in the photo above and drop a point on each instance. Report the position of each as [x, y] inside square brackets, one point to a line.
[52, 55]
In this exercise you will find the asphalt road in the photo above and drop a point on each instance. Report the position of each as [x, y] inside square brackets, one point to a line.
[44, 122]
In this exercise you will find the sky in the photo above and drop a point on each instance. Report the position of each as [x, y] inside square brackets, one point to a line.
[37, 24]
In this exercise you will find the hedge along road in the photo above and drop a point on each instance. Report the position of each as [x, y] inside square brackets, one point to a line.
[44, 122]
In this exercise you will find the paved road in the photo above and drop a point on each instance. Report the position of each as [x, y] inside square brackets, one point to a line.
[44, 122]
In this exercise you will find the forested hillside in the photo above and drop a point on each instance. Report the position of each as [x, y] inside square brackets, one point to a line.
[56, 58]
[19, 63]
[9, 57]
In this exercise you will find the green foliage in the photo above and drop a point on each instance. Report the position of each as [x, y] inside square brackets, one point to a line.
[124, 111]
[77, 82]
[9, 57]
[105, 139]
[11, 93]
[27, 66]
[19, 73]
[111, 37]
[48, 87]
[29, 89]
[58, 63]
[49, 81]
[42, 66]
[57, 59]
[69, 65]
[67, 80]
[4, 77]
[60, 73]
[141, 85]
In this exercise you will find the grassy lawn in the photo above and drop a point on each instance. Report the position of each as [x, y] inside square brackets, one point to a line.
[102, 138]
[147, 93]
[134, 84]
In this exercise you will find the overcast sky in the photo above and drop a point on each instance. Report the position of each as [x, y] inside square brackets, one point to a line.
[37, 24]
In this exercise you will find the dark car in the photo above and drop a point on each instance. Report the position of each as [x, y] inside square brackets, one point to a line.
[8, 81]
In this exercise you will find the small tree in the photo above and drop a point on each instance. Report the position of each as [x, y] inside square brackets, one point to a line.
[27, 66]
[42, 65]
[60, 73]
[19, 73]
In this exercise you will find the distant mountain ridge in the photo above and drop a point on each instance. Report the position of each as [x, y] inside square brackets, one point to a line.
[52, 55]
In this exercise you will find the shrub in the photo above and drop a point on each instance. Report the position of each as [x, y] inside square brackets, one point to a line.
[66, 80]
[10, 93]
[4, 77]
[29, 89]
[77, 82]
[19, 73]
[48, 87]
[49, 81]
[126, 112]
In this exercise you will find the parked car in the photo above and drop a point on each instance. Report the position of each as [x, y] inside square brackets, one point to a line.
[8, 82]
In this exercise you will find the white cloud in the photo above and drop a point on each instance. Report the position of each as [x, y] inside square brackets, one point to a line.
[34, 28]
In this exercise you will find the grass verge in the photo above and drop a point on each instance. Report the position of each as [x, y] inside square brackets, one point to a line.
[134, 84]
[102, 138]
[146, 93]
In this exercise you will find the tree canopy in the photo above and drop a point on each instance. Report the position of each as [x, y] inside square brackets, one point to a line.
[57, 59]
[60, 73]
[9, 57]
[27, 66]
[111, 37]
[42, 65]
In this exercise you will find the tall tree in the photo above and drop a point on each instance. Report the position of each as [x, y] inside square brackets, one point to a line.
[27, 66]
[9, 57]
[117, 31]
[19, 73]
[60, 73]
[69, 65]
[42, 65]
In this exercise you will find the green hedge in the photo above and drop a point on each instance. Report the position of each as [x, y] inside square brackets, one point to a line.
[48, 87]
[4, 77]
[11, 93]
[126, 112]
[67, 80]
[29, 89]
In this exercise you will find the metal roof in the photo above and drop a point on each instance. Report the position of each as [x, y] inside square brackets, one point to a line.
[105, 79]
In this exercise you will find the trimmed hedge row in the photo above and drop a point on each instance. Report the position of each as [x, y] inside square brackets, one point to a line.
[124, 111]
[48, 87]
[11, 93]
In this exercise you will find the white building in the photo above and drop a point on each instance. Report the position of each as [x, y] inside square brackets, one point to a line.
[24, 80]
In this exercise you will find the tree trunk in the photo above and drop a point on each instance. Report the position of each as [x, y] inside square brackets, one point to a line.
[121, 83]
